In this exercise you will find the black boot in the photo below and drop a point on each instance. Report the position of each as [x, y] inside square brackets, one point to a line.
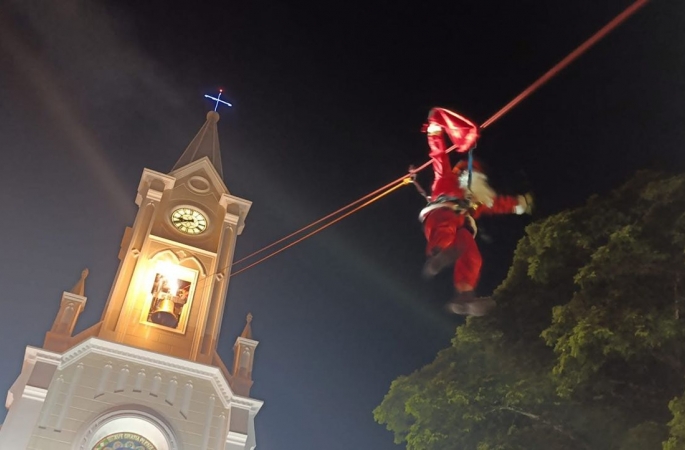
[441, 259]
[467, 304]
[481, 307]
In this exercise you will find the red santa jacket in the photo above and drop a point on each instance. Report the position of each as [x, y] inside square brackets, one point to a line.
[449, 189]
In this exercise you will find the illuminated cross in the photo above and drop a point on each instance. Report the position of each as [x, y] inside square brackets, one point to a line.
[218, 100]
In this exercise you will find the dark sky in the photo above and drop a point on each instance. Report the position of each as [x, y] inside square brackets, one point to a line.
[329, 98]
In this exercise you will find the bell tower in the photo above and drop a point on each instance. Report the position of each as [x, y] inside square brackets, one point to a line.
[148, 375]
[169, 291]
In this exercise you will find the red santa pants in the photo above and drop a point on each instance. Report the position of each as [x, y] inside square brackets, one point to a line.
[444, 228]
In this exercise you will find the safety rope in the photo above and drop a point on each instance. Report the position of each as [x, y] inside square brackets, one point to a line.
[404, 182]
[338, 211]
[606, 29]
[419, 188]
[470, 166]
[410, 178]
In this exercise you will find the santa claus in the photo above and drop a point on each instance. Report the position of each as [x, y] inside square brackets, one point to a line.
[458, 197]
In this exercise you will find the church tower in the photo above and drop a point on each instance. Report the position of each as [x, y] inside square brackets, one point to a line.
[147, 376]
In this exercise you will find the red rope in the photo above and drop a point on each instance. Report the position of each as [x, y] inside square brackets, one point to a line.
[338, 219]
[338, 211]
[606, 29]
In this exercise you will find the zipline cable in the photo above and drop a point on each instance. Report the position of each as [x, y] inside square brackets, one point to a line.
[402, 181]
[606, 29]
[338, 211]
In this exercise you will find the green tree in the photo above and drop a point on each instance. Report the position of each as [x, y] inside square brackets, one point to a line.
[586, 349]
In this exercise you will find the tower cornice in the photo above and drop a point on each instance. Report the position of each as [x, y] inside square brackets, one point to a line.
[163, 362]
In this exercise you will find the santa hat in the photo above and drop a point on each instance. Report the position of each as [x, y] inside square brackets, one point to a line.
[461, 131]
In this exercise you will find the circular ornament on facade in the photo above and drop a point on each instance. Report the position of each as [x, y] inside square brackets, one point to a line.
[198, 184]
[124, 441]
[127, 427]
[189, 220]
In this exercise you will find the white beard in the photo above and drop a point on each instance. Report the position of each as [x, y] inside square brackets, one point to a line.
[480, 191]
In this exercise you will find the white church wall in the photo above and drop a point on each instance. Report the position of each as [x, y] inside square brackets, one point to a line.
[73, 409]
[27, 396]
[201, 414]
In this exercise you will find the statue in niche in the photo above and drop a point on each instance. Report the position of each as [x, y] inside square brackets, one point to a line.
[169, 296]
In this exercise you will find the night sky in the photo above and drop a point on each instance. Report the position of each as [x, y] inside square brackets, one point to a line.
[329, 99]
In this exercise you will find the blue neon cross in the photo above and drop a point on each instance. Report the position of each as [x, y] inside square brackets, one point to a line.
[218, 99]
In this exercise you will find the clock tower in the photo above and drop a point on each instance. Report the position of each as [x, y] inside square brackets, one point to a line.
[147, 375]
[169, 292]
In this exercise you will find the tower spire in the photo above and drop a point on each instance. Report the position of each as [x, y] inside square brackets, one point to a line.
[243, 360]
[206, 141]
[59, 337]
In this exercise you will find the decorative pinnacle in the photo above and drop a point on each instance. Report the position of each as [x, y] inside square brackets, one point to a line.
[247, 331]
[80, 286]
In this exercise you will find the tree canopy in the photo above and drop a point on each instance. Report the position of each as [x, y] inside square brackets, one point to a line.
[586, 349]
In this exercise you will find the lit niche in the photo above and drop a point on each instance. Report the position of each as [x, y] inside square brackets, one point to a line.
[169, 296]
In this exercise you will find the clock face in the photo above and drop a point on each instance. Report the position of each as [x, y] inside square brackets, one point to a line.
[189, 221]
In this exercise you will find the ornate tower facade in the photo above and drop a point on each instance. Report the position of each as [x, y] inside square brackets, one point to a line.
[147, 376]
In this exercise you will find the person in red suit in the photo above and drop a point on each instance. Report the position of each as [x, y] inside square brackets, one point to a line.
[457, 199]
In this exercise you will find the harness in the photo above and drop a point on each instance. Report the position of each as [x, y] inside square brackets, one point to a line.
[458, 205]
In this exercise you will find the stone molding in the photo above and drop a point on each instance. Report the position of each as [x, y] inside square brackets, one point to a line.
[163, 362]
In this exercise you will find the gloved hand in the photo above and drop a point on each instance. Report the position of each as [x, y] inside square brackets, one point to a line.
[525, 205]
[433, 129]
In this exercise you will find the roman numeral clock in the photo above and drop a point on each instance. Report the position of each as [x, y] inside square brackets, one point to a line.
[189, 221]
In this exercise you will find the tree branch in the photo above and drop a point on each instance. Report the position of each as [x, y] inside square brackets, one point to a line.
[676, 299]
[556, 427]
[669, 360]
